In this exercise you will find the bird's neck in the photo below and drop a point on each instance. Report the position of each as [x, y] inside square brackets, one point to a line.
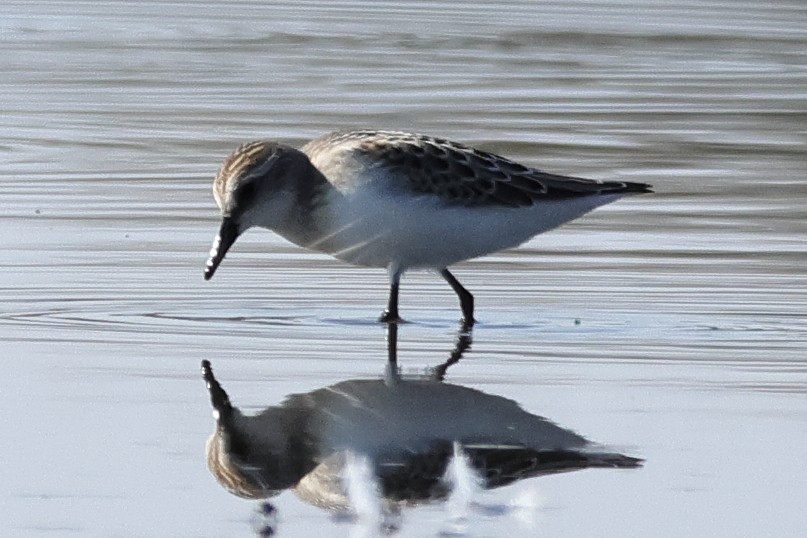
[312, 201]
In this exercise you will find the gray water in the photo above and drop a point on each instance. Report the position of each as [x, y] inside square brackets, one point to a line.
[670, 326]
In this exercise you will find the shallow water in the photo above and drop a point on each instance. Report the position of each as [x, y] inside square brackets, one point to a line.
[670, 326]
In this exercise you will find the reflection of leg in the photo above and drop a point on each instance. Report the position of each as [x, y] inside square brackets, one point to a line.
[391, 520]
[391, 375]
[463, 344]
[466, 299]
[390, 315]
[392, 344]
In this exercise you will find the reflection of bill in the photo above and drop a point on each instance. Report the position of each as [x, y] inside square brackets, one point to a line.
[408, 431]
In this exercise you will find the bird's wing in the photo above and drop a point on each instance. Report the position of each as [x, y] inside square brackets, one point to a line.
[460, 174]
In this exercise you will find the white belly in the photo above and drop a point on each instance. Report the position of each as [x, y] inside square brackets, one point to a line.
[421, 232]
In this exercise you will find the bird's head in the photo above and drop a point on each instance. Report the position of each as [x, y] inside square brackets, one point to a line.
[254, 187]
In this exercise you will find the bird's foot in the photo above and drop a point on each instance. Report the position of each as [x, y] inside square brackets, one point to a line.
[390, 317]
[466, 324]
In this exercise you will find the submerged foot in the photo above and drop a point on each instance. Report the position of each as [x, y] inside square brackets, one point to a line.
[466, 324]
[390, 317]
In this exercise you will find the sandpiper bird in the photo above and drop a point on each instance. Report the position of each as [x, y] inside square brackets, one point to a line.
[396, 200]
[407, 430]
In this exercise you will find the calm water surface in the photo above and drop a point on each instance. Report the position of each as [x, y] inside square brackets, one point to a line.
[689, 348]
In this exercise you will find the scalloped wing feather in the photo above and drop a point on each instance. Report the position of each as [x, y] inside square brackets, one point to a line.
[457, 173]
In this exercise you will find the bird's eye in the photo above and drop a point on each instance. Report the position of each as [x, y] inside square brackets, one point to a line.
[246, 193]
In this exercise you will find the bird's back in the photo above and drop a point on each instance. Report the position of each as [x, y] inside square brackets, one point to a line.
[455, 173]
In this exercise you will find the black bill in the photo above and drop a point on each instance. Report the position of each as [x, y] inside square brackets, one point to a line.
[228, 233]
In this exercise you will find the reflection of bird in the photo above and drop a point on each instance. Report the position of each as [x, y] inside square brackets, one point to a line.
[407, 429]
[396, 200]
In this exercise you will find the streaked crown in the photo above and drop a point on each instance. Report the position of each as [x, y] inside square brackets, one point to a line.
[248, 160]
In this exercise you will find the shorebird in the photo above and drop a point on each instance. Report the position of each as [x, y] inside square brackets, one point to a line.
[408, 432]
[398, 201]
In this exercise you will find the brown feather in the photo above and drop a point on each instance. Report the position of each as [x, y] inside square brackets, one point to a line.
[462, 175]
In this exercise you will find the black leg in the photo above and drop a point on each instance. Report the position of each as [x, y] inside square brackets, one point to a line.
[390, 315]
[466, 299]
